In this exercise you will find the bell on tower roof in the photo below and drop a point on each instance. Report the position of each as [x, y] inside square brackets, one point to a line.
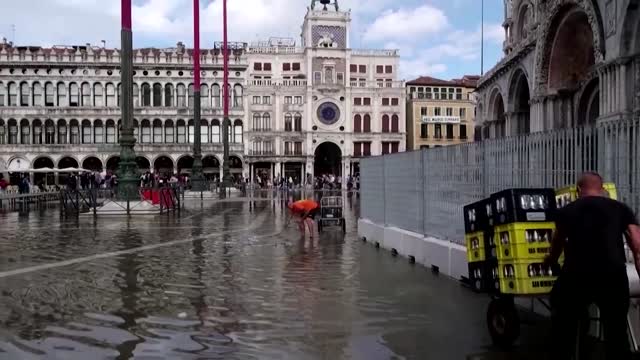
[325, 3]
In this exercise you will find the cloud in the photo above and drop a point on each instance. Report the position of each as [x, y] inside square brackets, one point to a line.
[407, 23]
[411, 69]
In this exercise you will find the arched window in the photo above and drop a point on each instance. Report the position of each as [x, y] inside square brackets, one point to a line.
[86, 94]
[2, 94]
[230, 131]
[366, 124]
[13, 132]
[98, 132]
[74, 129]
[98, 95]
[395, 124]
[74, 95]
[146, 132]
[216, 95]
[237, 96]
[297, 123]
[288, 122]
[215, 131]
[37, 132]
[25, 132]
[237, 132]
[49, 131]
[157, 95]
[181, 132]
[168, 95]
[136, 95]
[62, 95]
[111, 95]
[169, 135]
[13, 94]
[190, 132]
[157, 131]
[111, 132]
[204, 96]
[182, 99]
[357, 124]
[257, 122]
[204, 132]
[85, 91]
[62, 132]
[385, 123]
[266, 121]
[37, 94]
[49, 94]
[146, 94]
[190, 93]
[86, 132]
[24, 94]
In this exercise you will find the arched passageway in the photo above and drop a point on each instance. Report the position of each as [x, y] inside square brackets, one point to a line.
[328, 160]
[520, 98]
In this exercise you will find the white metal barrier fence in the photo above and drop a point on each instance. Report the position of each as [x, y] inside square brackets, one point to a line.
[424, 191]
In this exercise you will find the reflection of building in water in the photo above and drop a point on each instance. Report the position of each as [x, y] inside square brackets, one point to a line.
[296, 109]
[566, 64]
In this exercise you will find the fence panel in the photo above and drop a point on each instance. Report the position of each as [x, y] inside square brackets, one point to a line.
[372, 189]
[403, 191]
[458, 175]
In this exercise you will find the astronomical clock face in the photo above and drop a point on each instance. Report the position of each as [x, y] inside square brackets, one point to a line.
[328, 113]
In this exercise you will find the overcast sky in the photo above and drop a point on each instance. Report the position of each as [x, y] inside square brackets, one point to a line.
[438, 38]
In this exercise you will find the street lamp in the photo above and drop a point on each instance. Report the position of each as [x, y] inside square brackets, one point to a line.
[127, 168]
[197, 178]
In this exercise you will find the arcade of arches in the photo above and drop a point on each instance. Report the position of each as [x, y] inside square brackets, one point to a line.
[161, 164]
[572, 68]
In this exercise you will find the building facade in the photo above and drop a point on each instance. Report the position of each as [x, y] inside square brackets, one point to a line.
[296, 111]
[566, 63]
[440, 112]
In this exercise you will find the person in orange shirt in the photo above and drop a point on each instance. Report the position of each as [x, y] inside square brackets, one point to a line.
[307, 211]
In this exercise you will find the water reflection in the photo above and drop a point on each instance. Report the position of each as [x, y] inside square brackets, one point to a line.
[259, 292]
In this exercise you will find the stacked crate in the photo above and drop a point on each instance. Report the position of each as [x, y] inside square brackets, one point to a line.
[481, 247]
[523, 227]
[508, 236]
[569, 194]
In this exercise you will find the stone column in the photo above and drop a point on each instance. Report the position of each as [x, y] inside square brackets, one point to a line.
[622, 87]
[278, 169]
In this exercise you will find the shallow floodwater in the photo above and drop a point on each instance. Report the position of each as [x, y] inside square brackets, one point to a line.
[220, 281]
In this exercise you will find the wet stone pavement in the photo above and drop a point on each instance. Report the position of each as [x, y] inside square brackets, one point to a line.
[223, 281]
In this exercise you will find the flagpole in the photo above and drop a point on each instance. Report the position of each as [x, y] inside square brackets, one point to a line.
[225, 123]
[197, 178]
[482, 39]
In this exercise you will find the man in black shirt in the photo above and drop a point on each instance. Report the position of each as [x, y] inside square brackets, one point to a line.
[590, 231]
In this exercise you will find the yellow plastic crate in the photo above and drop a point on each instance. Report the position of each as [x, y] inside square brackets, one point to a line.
[525, 277]
[475, 246]
[569, 194]
[523, 241]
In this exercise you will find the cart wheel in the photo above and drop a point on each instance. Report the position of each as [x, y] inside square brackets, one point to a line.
[344, 226]
[503, 322]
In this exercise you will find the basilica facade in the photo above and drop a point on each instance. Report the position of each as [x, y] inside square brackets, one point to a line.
[297, 109]
[566, 63]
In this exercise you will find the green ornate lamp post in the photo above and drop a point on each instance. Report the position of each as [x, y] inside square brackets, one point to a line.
[128, 168]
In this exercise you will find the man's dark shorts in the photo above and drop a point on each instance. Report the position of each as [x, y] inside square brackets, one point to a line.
[312, 214]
